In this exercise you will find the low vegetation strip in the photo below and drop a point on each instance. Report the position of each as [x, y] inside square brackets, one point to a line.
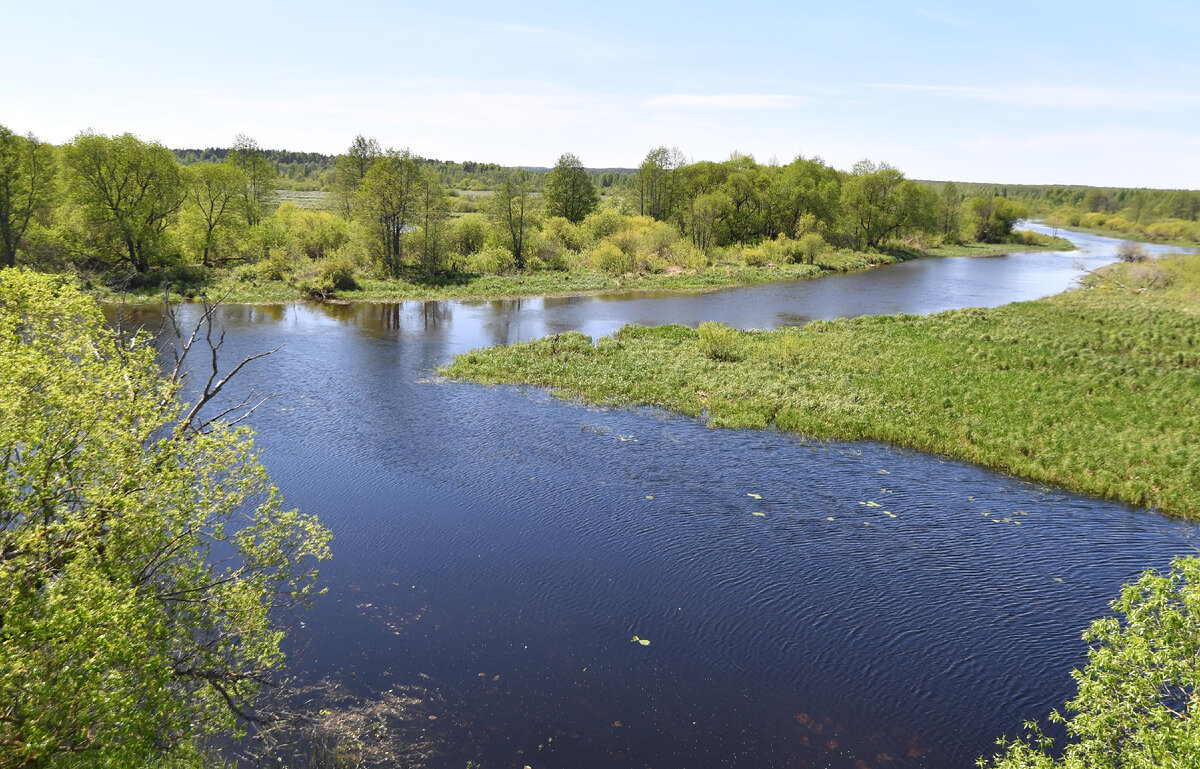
[1096, 390]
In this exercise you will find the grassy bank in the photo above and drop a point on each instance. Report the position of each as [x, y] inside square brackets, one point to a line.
[728, 269]
[1125, 234]
[1096, 390]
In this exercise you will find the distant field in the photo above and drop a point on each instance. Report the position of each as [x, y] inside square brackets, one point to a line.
[304, 198]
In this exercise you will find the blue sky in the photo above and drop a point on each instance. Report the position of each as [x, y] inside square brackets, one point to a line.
[1082, 93]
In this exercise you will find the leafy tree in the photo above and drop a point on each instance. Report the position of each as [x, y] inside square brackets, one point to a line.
[388, 200]
[26, 188]
[432, 212]
[569, 190]
[215, 192]
[145, 556]
[352, 169]
[1139, 694]
[653, 186]
[949, 212]
[802, 188]
[258, 185]
[127, 191]
[993, 218]
[512, 209]
[878, 203]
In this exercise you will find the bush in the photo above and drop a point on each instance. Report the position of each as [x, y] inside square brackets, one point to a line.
[1129, 251]
[492, 260]
[336, 275]
[602, 223]
[720, 342]
[686, 255]
[610, 258]
[561, 231]
[760, 255]
[467, 235]
[809, 247]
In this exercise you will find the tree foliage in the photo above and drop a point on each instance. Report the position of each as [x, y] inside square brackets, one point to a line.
[351, 169]
[27, 173]
[215, 191]
[388, 199]
[513, 210]
[569, 190]
[127, 191]
[1138, 699]
[144, 554]
[993, 219]
[258, 177]
[879, 203]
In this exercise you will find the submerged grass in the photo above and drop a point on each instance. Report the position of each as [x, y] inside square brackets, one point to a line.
[1096, 390]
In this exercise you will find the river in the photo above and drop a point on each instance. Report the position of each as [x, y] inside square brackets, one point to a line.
[503, 548]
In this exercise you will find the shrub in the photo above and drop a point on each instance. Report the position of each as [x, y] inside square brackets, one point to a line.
[608, 257]
[336, 275]
[603, 222]
[720, 342]
[468, 234]
[809, 247]
[561, 231]
[276, 266]
[492, 260]
[1129, 251]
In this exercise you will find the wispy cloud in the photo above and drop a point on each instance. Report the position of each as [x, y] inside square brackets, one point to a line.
[1043, 96]
[732, 101]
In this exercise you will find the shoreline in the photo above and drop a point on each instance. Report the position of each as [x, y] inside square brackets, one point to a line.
[1091, 390]
[554, 285]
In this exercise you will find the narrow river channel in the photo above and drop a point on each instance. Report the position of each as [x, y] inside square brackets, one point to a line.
[502, 548]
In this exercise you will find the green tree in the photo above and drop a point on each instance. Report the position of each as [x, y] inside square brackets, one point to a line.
[993, 218]
[258, 185]
[879, 203]
[145, 557]
[654, 184]
[26, 189]
[949, 212]
[569, 190]
[512, 209]
[215, 192]
[433, 208]
[1137, 704]
[352, 169]
[388, 201]
[127, 191]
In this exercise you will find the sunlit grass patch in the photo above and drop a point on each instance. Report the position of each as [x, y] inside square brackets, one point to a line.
[1096, 390]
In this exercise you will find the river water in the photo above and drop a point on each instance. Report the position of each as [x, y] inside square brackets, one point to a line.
[503, 548]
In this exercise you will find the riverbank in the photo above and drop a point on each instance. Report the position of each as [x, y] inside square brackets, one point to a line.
[1123, 234]
[1094, 390]
[234, 287]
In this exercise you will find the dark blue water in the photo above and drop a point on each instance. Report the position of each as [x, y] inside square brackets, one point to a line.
[807, 604]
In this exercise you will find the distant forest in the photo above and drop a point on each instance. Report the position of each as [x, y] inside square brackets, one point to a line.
[312, 171]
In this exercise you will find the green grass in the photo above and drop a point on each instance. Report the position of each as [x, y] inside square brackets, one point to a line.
[189, 283]
[1096, 390]
[1126, 235]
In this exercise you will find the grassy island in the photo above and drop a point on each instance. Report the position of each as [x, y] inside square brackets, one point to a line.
[1096, 390]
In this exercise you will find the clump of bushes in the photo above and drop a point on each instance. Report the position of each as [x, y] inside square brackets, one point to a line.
[492, 260]
[336, 274]
[720, 342]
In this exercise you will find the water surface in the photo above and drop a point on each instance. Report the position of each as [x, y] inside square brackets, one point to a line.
[504, 547]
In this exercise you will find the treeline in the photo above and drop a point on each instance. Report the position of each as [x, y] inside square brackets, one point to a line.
[1164, 215]
[313, 171]
[116, 206]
